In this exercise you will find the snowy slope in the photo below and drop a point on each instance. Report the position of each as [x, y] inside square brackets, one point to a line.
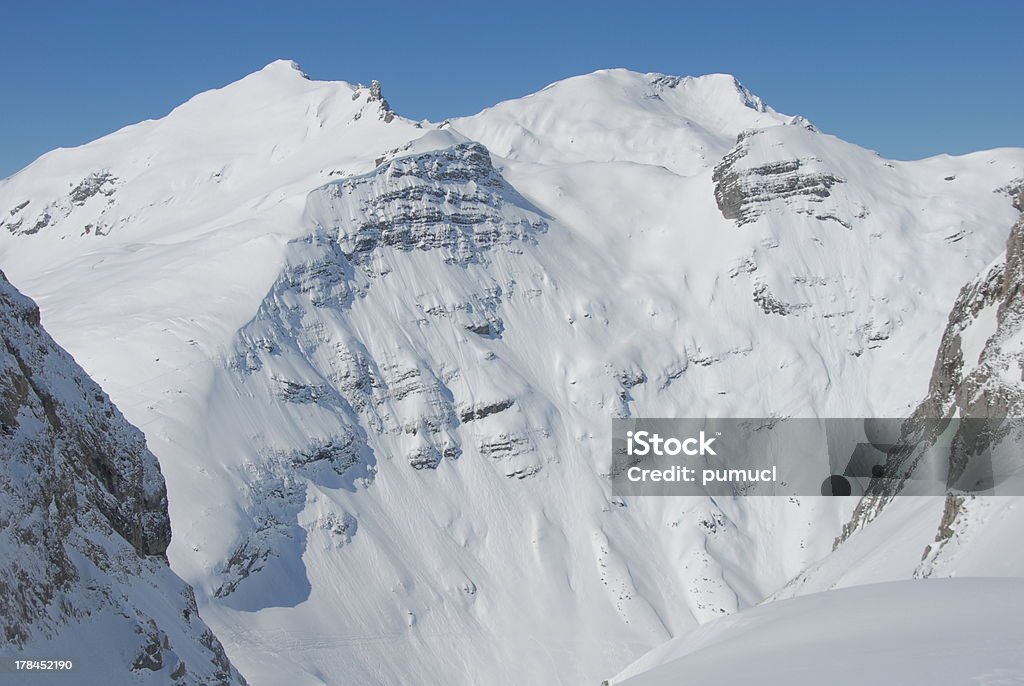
[976, 373]
[85, 528]
[950, 631]
[934, 632]
[377, 360]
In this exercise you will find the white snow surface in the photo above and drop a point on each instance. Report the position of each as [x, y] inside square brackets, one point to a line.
[948, 631]
[300, 299]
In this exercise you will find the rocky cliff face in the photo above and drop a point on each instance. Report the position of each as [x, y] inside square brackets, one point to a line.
[978, 366]
[305, 355]
[84, 525]
[450, 199]
[978, 373]
[745, 187]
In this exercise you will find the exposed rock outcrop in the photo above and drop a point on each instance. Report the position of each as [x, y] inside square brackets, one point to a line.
[84, 525]
[97, 187]
[742, 189]
[978, 373]
[451, 199]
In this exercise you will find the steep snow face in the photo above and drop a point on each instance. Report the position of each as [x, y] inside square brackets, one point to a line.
[85, 526]
[976, 373]
[935, 632]
[382, 398]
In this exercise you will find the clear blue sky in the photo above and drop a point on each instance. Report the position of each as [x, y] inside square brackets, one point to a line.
[907, 78]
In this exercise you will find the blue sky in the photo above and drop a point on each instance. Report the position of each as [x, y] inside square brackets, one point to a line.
[906, 78]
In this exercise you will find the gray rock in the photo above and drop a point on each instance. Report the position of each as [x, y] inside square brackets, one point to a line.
[451, 199]
[742, 193]
[83, 520]
[990, 387]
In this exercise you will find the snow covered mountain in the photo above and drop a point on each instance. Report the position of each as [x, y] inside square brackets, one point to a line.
[976, 374]
[85, 527]
[377, 359]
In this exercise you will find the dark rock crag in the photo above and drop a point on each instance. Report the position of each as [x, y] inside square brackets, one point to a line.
[991, 386]
[741, 193]
[84, 525]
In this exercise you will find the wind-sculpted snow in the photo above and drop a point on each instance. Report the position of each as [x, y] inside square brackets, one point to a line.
[84, 526]
[378, 359]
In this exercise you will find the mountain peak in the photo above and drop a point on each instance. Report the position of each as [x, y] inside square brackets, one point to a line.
[716, 90]
[681, 123]
[282, 67]
[721, 83]
[731, 84]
